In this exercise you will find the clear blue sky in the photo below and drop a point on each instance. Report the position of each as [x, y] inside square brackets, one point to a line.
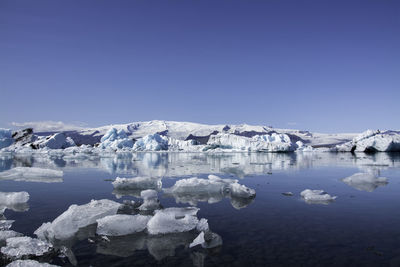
[328, 66]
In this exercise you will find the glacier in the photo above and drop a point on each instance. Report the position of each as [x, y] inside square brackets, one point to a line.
[115, 139]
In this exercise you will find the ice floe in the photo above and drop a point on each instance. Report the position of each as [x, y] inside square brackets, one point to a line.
[151, 142]
[29, 263]
[365, 181]
[210, 190]
[317, 196]
[32, 174]
[121, 224]
[5, 234]
[16, 201]
[76, 217]
[150, 200]
[173, 220]
[18, 247]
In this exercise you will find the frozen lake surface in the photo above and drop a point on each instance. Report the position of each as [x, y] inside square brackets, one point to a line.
[277, 227]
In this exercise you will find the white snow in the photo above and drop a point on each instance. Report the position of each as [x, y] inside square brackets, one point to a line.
[173, 220]
[116, 139]
[317, 196]
[259, 143]
[76, 217]
[5, 138]
[151, 142]
[365, 181]
[121, 224]
[29, 263]
[32, 174]
[18, 247]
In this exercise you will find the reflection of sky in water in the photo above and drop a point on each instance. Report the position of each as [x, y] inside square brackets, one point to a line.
[359, 228]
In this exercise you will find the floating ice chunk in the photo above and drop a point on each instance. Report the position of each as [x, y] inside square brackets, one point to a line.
[115, 139]
[32, 174]
[121, 224]
[173, 220]
[365, 181]
[262, 143]
[16, 201]
[6, 224]
[151, 142]
[29, 263]
[199, 240]
[317, 196]
[76, 217]
[5, 138]
[134, 186]
[150, 200]
[301, 147]
[18, 247]
[202, 225]
[5, 234]
[212, 190]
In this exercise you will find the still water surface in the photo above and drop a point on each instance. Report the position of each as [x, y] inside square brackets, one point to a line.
[360, 228]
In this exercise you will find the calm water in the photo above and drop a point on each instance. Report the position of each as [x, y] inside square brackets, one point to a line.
[361, 228]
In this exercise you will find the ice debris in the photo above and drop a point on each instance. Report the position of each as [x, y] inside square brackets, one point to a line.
[365, 181]
[29, 263]
[76, 217]
[317, 196]
[18, 247]
[13, 200]
[121, 224]
[173, 220]
[32, 174]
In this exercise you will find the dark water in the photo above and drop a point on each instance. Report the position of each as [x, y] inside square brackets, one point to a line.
[360, 228]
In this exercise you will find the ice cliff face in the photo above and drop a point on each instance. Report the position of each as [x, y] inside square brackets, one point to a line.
[373, 141]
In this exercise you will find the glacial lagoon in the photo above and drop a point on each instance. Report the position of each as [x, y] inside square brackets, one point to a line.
[277, 227]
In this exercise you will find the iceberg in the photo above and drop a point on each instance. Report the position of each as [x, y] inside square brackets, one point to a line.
[116, 139]
[55, 141]
[29, 263]
[365, 181]
[317, 196]
[76, 217]
[258, 143]
[121, 224]
[134, 186]
[372, 141]
[13, 200]
[32, 174]
[5, 138]
[210, 190]
[173, 220]
[151, 142]
[18, 247]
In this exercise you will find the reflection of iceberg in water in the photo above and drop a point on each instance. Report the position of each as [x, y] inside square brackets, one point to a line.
[365, 181]
[211, 190]
[32, 174]
[160, 164]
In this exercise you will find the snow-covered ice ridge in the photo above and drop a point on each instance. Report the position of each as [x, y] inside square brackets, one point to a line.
[195, 137]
